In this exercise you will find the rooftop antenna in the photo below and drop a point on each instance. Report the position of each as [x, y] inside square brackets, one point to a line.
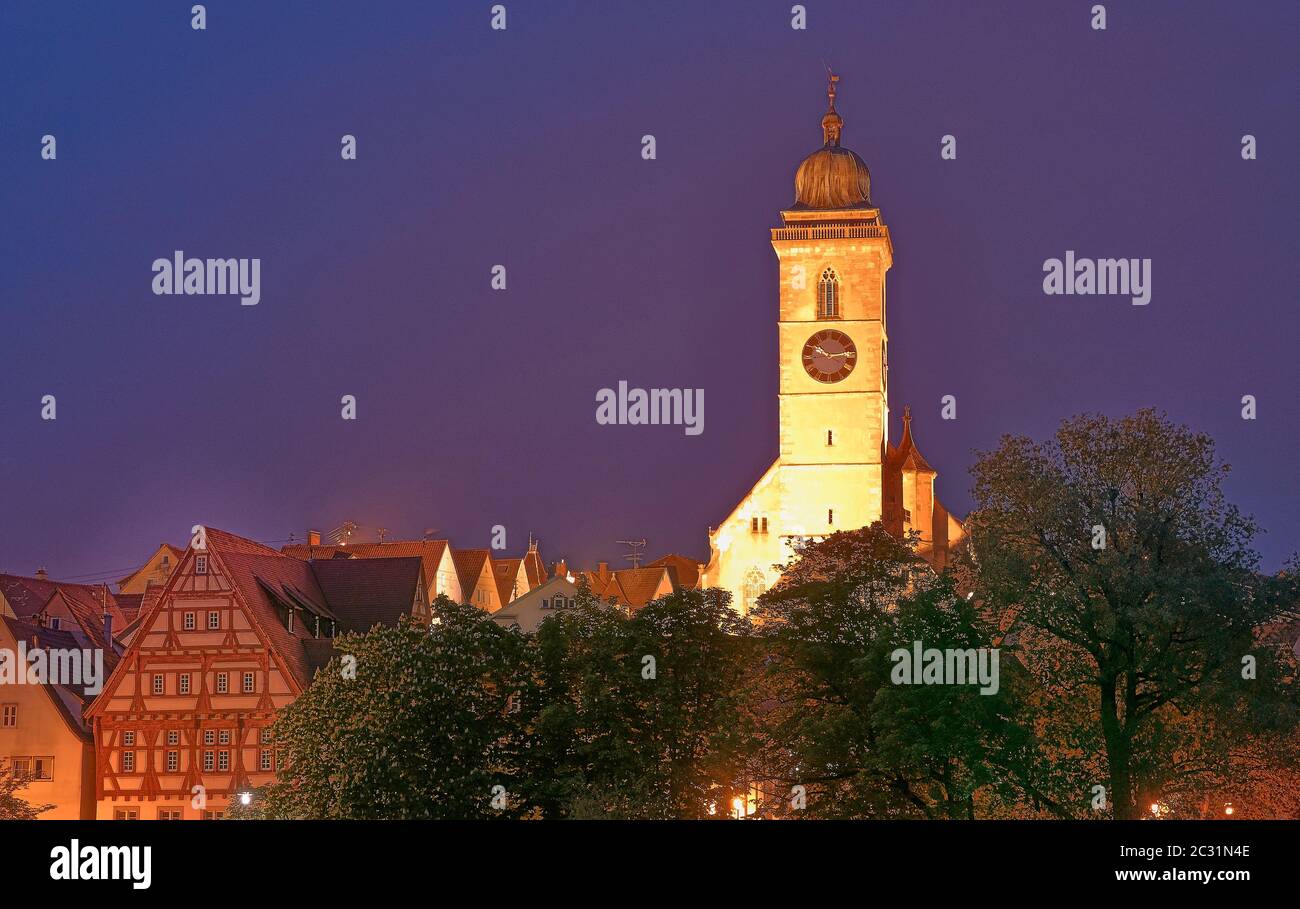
[635, 555]
[343, 533]
[429, 532]
[383, 532]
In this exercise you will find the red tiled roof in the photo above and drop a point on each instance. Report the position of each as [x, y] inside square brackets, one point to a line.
[534, 568]
[639, 584]
[359, 592]
[469, 567]
[687, 570]
[506, 572]
[429, 551]
[378, 593]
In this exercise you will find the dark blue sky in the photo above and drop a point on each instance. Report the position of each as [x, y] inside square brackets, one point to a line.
[523, 148]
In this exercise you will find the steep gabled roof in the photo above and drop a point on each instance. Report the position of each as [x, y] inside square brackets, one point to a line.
[70, 700]
[506, 572]
[359, 593]
[533, 567]
[175, 553]
[469, 568]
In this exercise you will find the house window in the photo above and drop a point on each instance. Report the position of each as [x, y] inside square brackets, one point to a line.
[214, 621]
[184, 681]
[764, 525]
[753, 525]
[56, 623]
[266, 759]
[22, 767]
[266, 735]
[158, 684]
[546, 604]
[223, 761]
[201, 564]
[249, 683]
[43, 768]
[828, 295]
[126, 814]
[559, 601]
[224, 737]
[209, 736]
[9, 716]
[189, 621]
[173, 762]
[173, 737]
[830, 437]
[128, 762]
[212, 815]
[208, 761]
[169, 814]
[830, 516]
[223, 683]
[128, 739]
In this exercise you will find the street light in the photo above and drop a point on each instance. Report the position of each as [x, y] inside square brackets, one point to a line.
[245, 798]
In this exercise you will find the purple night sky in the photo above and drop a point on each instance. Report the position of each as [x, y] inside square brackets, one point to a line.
[522, 148]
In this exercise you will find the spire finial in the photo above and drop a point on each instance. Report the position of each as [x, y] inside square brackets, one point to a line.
[832, 123]
[907, 413]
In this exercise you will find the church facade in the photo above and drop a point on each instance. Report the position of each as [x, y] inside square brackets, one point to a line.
[836, 468]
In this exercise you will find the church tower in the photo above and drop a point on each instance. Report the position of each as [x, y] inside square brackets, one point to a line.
[835, 468]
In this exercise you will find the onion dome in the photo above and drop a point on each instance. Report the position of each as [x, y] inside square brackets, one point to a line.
[832, 176]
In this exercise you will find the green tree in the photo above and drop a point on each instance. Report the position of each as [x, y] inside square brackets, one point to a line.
[1131, 585]
[433, 722]
[645, 715]
[837, 724]
[12, 806]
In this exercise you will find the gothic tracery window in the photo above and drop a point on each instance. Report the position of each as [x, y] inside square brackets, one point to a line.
[753, 588]
[828, 295]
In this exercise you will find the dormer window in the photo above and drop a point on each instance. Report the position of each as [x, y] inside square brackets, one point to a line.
[828, 295]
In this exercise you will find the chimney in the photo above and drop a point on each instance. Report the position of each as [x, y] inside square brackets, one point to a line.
[560, 569]
[313, 538]
[108, 628]
[42, 574]
[602, 569]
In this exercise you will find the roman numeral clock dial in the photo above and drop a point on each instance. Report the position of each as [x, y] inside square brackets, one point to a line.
[829, 356]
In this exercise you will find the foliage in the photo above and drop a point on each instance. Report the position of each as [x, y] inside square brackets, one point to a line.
[1140, 634]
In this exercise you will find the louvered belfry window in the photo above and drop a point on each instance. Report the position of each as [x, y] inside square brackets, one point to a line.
[828, 295]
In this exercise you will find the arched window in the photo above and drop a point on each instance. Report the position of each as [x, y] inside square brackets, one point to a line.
[828, 295]
[753, 588]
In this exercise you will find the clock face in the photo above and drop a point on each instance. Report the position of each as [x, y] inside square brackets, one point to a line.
[829, 355]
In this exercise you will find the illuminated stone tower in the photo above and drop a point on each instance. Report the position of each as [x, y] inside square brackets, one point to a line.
[835, 468]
